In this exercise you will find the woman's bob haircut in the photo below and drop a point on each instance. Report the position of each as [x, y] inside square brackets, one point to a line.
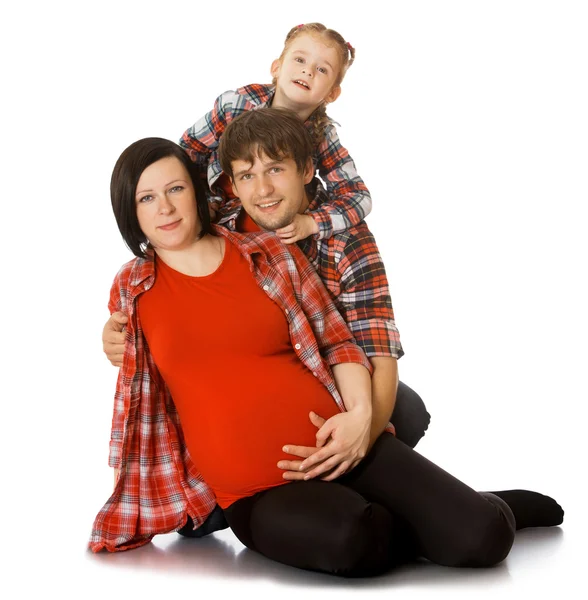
[123, 187]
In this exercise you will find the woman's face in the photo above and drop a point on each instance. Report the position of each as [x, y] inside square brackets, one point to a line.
[166, 205]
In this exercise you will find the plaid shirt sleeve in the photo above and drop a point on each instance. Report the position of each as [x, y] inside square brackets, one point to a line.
[349, 199]
[118, 302]
[201, 140]
[364, 298]
[335, 342]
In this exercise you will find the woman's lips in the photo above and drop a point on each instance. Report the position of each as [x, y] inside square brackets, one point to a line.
[170, 226]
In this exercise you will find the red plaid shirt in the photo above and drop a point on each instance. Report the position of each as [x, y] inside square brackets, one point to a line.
[349, 200]
[158, 484]
[351, 267]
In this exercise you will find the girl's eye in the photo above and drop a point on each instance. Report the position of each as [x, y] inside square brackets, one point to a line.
[322, 70]
[298, 59]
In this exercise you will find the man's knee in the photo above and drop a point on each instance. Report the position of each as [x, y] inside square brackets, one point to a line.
[485, 545]
[410, 416]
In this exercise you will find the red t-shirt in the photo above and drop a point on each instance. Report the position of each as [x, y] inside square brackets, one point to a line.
[223, 348]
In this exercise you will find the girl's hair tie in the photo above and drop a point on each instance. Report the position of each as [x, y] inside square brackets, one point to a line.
[349, 46]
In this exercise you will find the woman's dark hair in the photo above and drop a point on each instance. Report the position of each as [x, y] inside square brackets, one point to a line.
[123, 187]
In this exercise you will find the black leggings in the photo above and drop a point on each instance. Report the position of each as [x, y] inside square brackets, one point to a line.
[394, 506]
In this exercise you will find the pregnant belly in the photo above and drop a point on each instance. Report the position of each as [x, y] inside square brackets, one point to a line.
[239, 438]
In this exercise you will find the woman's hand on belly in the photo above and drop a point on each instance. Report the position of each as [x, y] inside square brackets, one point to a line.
[347, 438]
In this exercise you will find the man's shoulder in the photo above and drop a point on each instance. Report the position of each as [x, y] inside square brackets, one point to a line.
[355, 239]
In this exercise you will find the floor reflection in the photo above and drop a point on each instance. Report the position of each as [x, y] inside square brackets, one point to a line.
[222, 555]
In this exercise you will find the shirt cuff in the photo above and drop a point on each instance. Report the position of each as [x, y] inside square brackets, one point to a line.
[348, 353]
[325, 225]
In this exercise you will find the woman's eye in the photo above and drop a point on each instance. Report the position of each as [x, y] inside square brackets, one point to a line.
[177, 188]
[145, 198]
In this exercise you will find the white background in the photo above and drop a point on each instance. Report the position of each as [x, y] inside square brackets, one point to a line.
[468, 122]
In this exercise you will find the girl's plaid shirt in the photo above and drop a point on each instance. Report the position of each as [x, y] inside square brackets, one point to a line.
[349, 199]
[158, 484]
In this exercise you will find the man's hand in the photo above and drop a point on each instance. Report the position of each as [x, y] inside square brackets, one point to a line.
[301, 227]
[342, 442]
[113, 338]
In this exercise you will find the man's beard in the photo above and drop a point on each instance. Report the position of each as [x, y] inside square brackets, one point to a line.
[270, 223]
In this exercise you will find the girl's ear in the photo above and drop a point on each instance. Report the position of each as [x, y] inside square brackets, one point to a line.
[333, 94]
[308, 171]
[275, 68]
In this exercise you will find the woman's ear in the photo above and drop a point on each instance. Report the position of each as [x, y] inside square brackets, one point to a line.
[333, 94]
[275, 68]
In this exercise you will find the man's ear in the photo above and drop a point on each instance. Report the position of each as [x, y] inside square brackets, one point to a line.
[275, 68]
[308, 171]
[333, 94]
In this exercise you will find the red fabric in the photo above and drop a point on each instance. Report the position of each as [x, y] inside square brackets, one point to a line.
[159, 485]
[246, 224]
[235, 416]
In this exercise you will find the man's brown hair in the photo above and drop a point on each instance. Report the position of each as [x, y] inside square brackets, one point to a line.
[276, 132]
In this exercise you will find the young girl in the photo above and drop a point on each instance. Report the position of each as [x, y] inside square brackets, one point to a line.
[306, 77]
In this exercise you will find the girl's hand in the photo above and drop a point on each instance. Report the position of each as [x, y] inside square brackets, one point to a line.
[301, 227]
[342, 441]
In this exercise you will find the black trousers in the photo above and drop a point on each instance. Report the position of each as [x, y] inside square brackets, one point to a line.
[410, 418]
[394, 506]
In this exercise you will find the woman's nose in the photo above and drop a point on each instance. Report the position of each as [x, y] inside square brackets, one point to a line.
[165, 206]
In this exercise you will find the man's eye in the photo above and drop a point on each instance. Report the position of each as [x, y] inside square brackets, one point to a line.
[275, 170]
[245, 177]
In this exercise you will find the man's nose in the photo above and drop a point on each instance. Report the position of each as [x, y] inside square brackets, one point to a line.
[265, 186]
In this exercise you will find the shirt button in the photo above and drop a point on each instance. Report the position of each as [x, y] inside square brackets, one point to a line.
[297, 346]
[315, 373]
[286, 311]
[266, 287]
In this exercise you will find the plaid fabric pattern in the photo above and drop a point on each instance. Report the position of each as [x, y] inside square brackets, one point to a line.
[348, 201]
[351, 268]
[158, 484]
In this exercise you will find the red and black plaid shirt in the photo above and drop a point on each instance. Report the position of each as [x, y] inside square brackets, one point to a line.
[158, 484]
[351, 267]
[349, 200]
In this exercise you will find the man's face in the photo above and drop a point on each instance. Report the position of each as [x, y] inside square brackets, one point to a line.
[271, 191]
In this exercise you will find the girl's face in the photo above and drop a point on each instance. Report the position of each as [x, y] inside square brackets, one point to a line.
[307, 72]
[166, 205]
